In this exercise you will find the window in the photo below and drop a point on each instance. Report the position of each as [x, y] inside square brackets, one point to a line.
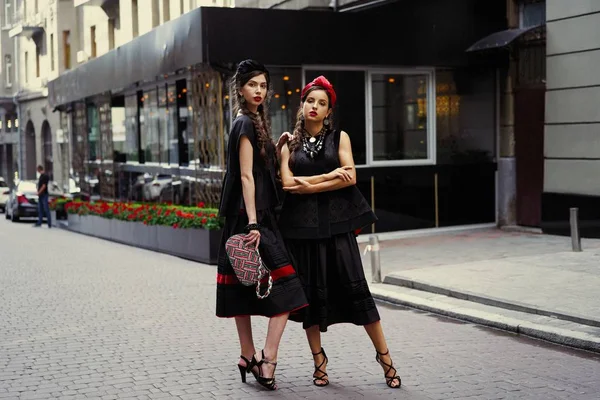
[35, 6]
[67, 49]
[401, 128]
[111, 33]
[26, 66]
[118, 122]
[8, 70]
[169, 142]
[349, 113]
[93, 41]
[532, 13]
[181, 7]
[131, 149]
[37, 61]
[8, 12]
[134, 18]
[52, 51]
[150, 129]
[93, 130]
[166, 13]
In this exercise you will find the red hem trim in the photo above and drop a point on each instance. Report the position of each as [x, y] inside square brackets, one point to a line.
[279, 273]
[260, 315]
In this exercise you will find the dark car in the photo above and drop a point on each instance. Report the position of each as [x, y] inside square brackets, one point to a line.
[22, 201]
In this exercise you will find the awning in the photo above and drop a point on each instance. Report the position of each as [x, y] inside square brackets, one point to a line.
[383, 36]
[498, 40]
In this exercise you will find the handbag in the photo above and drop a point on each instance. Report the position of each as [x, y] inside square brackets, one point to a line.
[247, 264]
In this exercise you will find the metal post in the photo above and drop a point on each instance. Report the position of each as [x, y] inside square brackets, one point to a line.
[375, 261]
[575, 238]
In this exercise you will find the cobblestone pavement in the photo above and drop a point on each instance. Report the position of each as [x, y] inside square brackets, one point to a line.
[83, 318]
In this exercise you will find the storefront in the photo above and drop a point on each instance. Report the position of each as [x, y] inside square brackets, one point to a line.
[149, 120]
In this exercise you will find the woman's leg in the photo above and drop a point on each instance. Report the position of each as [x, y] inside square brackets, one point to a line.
[244, 328]
[375, 332]
[313, 334]
[274, 333]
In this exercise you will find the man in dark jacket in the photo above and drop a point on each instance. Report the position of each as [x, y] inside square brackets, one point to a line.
[43, 206]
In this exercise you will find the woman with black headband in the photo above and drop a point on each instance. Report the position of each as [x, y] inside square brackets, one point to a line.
[248, 200]
[320, 214]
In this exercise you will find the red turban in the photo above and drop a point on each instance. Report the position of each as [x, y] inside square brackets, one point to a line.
[324, 83]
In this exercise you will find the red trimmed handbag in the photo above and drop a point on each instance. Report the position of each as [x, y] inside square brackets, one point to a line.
[247, 264]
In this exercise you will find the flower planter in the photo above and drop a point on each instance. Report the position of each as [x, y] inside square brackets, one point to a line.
[74, 222]
[53, 218]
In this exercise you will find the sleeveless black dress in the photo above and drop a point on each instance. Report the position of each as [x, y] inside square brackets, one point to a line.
[319, 233]
[234, 299]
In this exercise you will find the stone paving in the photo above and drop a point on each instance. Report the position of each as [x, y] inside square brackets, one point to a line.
[83, 318]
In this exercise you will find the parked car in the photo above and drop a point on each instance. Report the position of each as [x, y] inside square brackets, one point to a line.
[22, 201]
[4, 192]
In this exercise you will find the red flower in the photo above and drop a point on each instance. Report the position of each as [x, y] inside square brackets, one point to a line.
[204, 220]
[201, 204]
[175, 226]
[212, 215]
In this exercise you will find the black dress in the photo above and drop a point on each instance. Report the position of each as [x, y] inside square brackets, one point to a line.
[319, 233]
[234, 299]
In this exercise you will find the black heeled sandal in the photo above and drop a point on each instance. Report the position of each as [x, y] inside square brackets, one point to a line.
[244, 369]
[324, 378]
[388, 379]
[268, 383]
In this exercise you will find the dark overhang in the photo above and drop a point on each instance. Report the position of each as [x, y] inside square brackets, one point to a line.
[500, 40]
[396, 34]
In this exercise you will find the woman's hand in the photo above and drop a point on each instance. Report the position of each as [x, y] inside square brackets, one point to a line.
[253, 238]
[342, 173]
[283, 139]
[302, 187]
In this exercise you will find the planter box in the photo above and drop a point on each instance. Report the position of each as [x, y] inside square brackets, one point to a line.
[193, 244]
[74, 222]
[53, 218]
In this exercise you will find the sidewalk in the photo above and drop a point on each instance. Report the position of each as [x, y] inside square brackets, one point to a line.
[522, 282]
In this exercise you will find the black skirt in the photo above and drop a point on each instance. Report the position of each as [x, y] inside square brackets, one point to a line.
[332, 275]
[235, 299]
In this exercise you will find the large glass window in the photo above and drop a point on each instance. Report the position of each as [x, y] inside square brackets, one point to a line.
[184, 122]
[93, 125]
[349, 112]
[131, 149]
[465, 110]
[163, 124]
[118, 126]
[287, 84]
[150, 128]
[400, 123]
[172, 125]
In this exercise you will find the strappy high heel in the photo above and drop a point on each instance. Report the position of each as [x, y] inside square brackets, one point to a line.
[324, 378]
[388, 379]
[268, 383]
[244, 369]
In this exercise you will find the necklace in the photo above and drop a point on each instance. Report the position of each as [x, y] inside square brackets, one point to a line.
[312, 145]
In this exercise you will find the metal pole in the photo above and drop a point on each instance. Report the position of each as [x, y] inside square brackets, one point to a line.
[575, 238]
[375, 261]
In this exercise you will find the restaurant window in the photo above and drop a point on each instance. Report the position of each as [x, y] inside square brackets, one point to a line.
[119, 130]
[131, 149]
[183, 122]
[172, 125]
[465, 114]
[169, 145]
[349, 113]
[150, 127]
[402, 128]
[286, 85]
[93, 130]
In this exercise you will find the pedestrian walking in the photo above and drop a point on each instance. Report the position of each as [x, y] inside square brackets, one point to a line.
[42, 192]
[248, 202]
[322, 210]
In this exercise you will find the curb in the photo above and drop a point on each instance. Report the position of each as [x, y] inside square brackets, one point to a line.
[561, 336]
[488, 300]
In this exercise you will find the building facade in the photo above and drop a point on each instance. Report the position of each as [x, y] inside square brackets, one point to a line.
[422, 112]
[572, 123]
[40, 41]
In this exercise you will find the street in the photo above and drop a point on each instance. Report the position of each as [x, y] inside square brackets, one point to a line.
[83, 318]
